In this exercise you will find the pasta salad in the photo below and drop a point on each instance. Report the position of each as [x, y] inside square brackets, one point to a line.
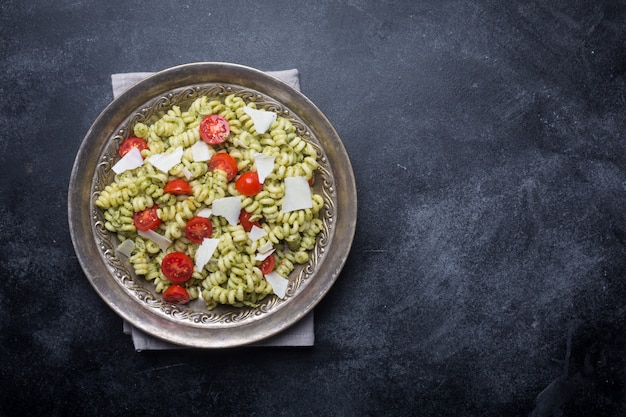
[215, 202]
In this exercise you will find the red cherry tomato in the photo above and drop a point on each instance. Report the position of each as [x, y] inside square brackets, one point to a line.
[224, 162]
[214, 129]
[267, 265]
[177, 267]
[198, 228]
[244, 220]
[132, 142]
[147, 219]
[248, 184]
[178, 186]
[176, 294]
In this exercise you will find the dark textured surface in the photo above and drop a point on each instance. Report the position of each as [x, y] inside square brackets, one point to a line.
[487, 140]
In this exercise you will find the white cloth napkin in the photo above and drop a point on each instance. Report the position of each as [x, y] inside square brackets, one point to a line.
[299, 334]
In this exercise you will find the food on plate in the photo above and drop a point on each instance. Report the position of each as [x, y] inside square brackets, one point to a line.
[176, 294]
[132, 142]
[215, 202]
[248, 184]
[178, 186]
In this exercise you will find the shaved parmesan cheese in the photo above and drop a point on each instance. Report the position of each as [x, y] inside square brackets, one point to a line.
[256, 233]
[131, 160]
[266, 248]
[264, 165]
[239, 143]
[278, 283]
[166, 161]
[200, 151]
[229, 208]
[262, 256]
[160, 240]
[205, 251]
[205, 212]
[297, 194]
[188, 174]
[126, 247]
[262, 119]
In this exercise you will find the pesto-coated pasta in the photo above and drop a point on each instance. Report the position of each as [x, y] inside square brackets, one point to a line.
[233, 276]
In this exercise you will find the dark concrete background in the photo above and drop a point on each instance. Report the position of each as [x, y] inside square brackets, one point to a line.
[487, 141]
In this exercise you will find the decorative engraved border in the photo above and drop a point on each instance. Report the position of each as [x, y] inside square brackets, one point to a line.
[142, 290]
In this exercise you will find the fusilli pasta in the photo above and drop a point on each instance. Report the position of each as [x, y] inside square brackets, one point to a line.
[234, 275]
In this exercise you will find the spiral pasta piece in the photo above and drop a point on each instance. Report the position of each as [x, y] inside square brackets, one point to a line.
[185, 139]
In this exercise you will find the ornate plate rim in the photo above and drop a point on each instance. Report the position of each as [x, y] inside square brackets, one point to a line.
[80, 221]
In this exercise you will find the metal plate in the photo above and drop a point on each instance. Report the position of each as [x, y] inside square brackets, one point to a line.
[132, 297]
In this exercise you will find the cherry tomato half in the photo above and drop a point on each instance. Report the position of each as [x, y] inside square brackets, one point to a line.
[214, 129]
[244, 220]
[132, 142]
[198, 228]
[248, 184]
[176, 294]
[224, 162]
[178, 186]
[267, 265]
[177, 267]
[147, 219]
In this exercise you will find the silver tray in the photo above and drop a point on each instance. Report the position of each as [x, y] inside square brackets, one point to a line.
[134, 298]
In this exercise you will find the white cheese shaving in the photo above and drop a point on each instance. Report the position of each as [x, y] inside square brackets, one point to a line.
[264, 165]
[205, 212]
[201, 151]
[166, 161]
[262, 256]
[262, 119]
[131, 160]
[126, 248]
[256, 233]
[297, 194]
[266, 248]
[205, 251]
[160, 240]
[188, 174]
[278, 283]
[238, 142]
[229, 208]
